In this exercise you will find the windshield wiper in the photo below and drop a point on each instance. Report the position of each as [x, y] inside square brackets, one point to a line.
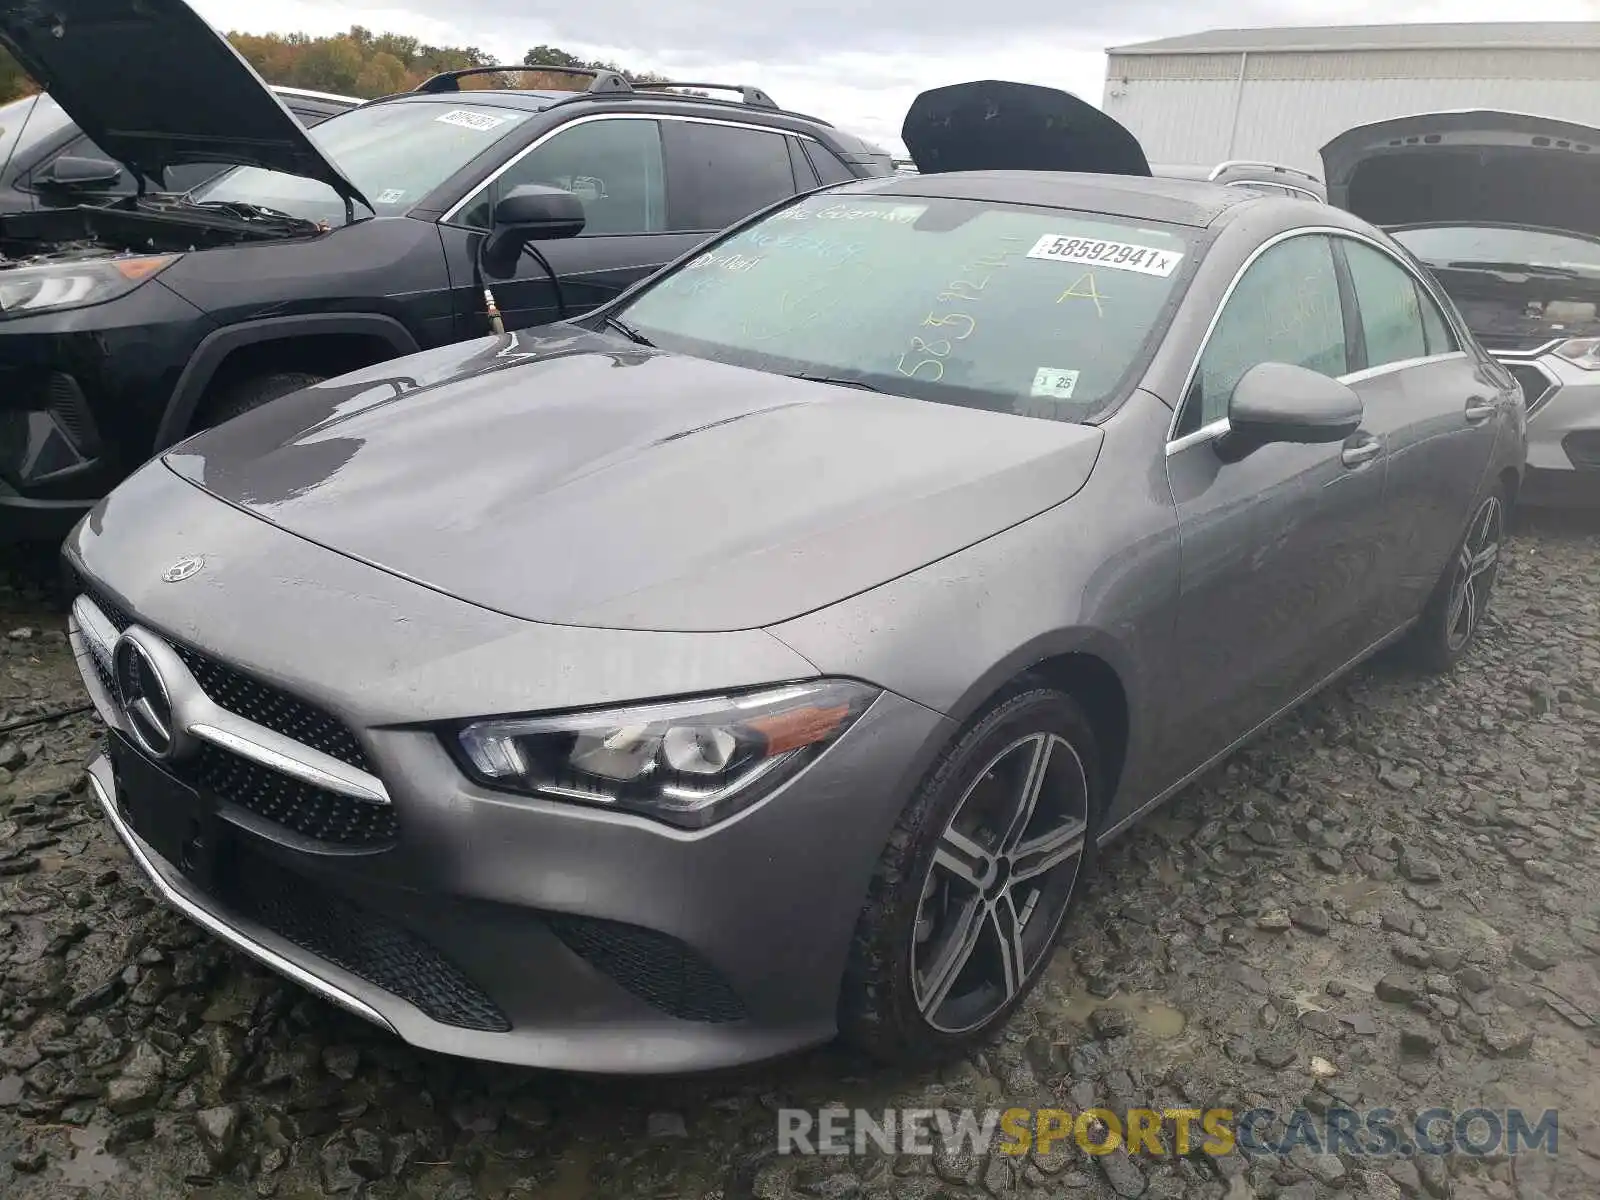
[1512, 268]
[252, 212]
[629, 332]
[838, 380]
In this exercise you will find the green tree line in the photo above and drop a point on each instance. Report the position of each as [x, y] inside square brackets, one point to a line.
[363, 63]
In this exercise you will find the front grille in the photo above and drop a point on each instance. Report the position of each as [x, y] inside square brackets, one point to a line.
[72, 413]
[1537, 387]
[657, 968]
[302, 808]
[1583, 449]
[353, 939]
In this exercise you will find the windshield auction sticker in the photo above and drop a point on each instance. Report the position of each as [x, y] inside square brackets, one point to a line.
[1097, 252]
[481, 121]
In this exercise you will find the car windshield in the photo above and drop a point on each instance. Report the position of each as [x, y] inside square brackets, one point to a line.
[1442, 245]
[27, 123]
[395, 153]
[1018, 309]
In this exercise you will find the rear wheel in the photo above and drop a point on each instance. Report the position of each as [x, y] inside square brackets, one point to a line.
[972, 889]
[239, 398]
[1460, 600]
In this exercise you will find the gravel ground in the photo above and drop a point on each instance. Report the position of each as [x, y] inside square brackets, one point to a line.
[1391, 884]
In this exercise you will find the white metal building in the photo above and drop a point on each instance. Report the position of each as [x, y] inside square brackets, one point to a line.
[1280, 94]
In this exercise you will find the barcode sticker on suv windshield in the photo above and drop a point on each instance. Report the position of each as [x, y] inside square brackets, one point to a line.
[1097, 252]
[482, 122]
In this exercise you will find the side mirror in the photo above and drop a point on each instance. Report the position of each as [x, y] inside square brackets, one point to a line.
[1277, 402]
[530, 213]
[70, 173]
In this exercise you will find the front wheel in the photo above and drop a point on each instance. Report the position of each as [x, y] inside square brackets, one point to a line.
[1460, 600]
[970, 893]
[252, 393]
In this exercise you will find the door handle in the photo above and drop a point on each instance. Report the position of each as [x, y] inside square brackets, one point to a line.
[1478, 410]
[1361, 452]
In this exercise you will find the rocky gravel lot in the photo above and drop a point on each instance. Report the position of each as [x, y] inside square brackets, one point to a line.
[1390, 900]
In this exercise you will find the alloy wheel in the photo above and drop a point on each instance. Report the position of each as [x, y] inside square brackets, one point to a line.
[1476, 565]
[1001, 878]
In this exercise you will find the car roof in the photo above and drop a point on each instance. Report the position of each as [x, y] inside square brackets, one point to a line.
[1147, 198]
[538, 100]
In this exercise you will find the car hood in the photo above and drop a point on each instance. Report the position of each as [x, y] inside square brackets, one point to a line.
[993, 125]
[571, 478]
[153, 86]
[1473, 165]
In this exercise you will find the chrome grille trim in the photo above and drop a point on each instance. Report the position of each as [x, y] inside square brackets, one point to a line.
[1517, 364]
[203, 718]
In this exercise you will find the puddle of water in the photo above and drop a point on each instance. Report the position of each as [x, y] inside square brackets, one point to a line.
[90, 1165]
[1149, 1014]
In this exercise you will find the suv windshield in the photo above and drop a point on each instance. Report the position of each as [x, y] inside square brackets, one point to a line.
[1017, 309]
[395, 153]
[26, 123]
[1507, 245]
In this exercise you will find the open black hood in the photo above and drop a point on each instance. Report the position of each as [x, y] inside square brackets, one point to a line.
[153, 85]
[993, 125]
[1476, 166]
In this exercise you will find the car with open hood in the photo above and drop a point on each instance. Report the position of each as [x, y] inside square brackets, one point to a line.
[46, 161]
[766, 653]
[1504, 209]
[405, 223]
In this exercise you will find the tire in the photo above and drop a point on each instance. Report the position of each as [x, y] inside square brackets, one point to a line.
[890, 1002]
[1455, 611]
[251, 393]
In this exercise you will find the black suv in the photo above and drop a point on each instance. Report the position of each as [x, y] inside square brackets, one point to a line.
[124, 327]
[46, 161]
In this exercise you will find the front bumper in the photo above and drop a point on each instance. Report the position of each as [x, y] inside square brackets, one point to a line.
[1563, 429]
[543, 934]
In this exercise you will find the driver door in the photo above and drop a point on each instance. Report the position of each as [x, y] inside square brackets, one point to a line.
[1279, 549]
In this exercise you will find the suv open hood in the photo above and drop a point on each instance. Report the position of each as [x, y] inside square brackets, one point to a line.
[993, 125]
[1469, 165]
[153, 86]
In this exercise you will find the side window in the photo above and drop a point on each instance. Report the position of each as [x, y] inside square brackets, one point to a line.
[1441, 338]
[830, 168]
[1285, 309]
[1391, 310]
[805, 177]
[613, 166]
[721, 173]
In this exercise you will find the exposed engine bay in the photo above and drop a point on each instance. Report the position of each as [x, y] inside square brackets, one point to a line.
[1508, 311]
[148, 225]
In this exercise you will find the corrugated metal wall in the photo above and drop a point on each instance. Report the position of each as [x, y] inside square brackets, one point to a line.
[1182, 106]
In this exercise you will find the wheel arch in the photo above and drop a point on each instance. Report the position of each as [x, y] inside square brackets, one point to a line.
[1088, 666]
[339, 341]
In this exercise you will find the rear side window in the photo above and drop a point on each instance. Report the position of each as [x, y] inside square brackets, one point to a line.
[804, 177]
[830, 168]
[720, 173]
[1285, 309]
[1441, 339]
[1391, 311]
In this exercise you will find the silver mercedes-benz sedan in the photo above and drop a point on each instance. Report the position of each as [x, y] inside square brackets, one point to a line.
[765, 655]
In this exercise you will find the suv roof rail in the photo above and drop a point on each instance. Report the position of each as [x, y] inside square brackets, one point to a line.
[599, 80]
[749, 95]
[1279, 168]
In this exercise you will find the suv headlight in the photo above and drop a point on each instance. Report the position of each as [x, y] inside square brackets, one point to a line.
[690, 763]
[76, 284]
[1581, 352]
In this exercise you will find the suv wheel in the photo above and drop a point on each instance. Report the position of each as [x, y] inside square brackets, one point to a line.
[247, 394]
[970, 894]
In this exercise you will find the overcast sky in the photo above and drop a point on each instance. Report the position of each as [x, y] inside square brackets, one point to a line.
[857, 65]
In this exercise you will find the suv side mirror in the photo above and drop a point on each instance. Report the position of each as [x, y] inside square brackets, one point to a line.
[530, 213]
[70, 173]
[1278, 402]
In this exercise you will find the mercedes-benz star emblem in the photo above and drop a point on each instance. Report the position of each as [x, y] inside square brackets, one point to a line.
[144, 698]
[183, 568]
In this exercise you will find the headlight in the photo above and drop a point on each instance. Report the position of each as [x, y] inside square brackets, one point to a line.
[1581, 352]
[690, 763]
[75, 284]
